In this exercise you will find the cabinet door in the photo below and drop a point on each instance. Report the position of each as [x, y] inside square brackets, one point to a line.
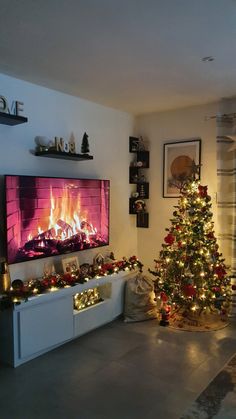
[45, 325]
[92, 317]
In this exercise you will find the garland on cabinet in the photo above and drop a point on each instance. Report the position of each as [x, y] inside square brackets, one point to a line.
[21, 291]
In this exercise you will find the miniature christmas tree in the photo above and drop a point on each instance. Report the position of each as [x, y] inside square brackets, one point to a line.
[190, 275]
[85, 144]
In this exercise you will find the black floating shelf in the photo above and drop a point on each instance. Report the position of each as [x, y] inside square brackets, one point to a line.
[8, 119]
[63, 155]
[142, 220]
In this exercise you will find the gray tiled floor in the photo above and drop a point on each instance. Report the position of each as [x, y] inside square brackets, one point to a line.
[120, 371]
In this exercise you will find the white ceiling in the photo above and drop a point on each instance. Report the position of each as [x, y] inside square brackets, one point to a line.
[135, 55]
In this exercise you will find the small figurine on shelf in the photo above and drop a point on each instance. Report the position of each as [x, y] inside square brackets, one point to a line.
[139, 205]
[141, 179]
[85, 144]
[141, 144]
[42, 143]
[72, 147]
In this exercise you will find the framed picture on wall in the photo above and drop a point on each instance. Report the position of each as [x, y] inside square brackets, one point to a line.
[180, 160]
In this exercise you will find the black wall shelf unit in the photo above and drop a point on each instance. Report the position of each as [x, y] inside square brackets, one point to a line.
[137, 177]
[8, 119]
[63, 155]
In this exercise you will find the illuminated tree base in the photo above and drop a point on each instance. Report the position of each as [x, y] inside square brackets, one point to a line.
[195, 322]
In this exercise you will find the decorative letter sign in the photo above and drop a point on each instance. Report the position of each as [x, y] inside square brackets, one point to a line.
[16, 105]
[63, 146]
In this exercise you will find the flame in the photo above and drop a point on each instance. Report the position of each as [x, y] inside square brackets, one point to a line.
[65, 219]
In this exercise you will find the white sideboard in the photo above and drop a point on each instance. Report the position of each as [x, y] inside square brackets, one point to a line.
[49, 320]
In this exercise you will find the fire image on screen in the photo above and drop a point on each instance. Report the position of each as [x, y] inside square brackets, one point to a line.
[52, 216]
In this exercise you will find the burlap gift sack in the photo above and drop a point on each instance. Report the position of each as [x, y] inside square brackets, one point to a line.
[140, 301]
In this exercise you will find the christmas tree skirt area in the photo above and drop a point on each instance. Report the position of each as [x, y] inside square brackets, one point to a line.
[218, 400]
[195, 322]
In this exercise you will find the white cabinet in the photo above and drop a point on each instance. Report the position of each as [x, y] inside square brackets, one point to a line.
[49, 320]
[44, 326]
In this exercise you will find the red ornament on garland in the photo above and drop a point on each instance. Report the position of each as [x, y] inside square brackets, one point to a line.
[53, 281]
[45, 283]
[69, 279]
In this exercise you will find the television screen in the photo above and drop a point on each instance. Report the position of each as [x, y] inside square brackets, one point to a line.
[48, 216]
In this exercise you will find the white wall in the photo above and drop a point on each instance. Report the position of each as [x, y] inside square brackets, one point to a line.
[51, 113]
[167, 127]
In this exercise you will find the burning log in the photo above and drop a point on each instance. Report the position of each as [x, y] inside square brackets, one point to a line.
[75, 242]
[45, 246]
[48, 234]
[86, 226]
[64, 226]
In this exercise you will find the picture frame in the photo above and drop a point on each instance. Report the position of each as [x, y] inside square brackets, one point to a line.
[98, 259]
[180, 160]
[85, 270]
[70, 264]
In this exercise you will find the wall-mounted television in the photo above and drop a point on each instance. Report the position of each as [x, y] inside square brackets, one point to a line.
[47, 216]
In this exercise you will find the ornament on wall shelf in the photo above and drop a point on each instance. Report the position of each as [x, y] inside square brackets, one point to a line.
[63, 146]
[16, 106]
[139, 205]
[136, 144]
[43, 143]
[59, 145]
[85, 144]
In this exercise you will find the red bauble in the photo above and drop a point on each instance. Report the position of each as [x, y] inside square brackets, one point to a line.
[164, 297]
[189, 290]
[45, 283]
[53, 281]
[202, 190]
[169, 239]
[220, 271]
[68, 278]
[216, 289]
[210, 235]
[234, 287]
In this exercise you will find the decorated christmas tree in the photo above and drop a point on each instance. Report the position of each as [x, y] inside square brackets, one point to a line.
[190, 274]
